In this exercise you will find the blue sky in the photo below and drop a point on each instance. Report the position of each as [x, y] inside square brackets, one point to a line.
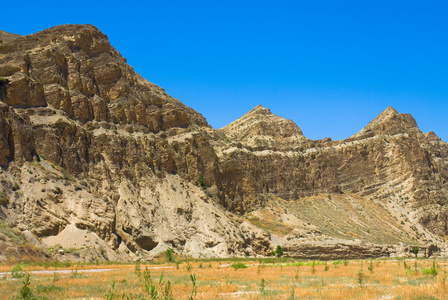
[330, 66]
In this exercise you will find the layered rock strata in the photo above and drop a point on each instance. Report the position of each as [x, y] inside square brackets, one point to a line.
[91, 149]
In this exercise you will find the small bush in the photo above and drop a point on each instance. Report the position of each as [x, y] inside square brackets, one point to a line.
[239, 265]
[169, 255]
[262, 285]
[415, 251]
[360, 276]
[431, 271]
[202, 182]
[277, 252]
[16, 271]
[26, 292]
[370, 267]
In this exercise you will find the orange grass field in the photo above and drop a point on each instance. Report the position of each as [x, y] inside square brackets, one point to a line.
[262, 279]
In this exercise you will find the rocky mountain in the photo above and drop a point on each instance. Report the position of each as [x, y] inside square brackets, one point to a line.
[96, 159]
[7, 37]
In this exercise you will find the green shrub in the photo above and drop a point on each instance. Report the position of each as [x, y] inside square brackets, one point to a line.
[370, 267]
[202, 182]
[26, 292]
[262, 285]
[16, 271]
[278, 251]
[239, 265]
[415, 251]
[169, 255]
[431, 271]
[360, 276]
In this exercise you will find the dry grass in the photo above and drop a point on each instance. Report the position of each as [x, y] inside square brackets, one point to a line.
[218, 280]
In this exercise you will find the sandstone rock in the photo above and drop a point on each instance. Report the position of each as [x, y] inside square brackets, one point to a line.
[89, 147]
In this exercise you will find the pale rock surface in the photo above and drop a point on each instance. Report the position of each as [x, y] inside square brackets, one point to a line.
[90, 149]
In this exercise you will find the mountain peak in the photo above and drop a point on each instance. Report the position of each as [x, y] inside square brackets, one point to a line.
[261, 124]
[388, 122]
[259, 109]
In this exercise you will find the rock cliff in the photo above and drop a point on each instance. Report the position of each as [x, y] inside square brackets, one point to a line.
[95, 158]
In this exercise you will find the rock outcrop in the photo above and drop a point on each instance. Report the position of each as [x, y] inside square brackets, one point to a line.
[90, 149]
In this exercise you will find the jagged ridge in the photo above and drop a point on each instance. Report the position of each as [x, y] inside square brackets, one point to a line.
[96, 148]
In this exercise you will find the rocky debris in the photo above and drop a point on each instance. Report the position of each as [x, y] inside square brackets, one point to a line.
[90, 148]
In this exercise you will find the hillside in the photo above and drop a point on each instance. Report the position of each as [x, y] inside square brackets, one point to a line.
[96, 159]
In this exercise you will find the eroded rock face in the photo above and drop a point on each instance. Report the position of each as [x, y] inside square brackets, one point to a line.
[389, 159]
[89, 146]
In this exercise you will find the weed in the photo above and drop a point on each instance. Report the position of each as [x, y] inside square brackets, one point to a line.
[370, 267]
[360, 276]
[202, 182]
[313, 268]
[169, 255]
[55, 278]
[48, 288]
[75, 274]
[415, 251]
[291, 296]
[345, 262]
[137, 269]
[26, 292]
[262, 285]
[189, 267]
[405, 265]
[327, 267]
[111, 294]
[239, 265]
[16, 272]
[431, 271]
[193, 279]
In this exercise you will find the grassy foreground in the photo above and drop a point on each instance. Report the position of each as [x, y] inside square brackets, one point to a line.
[227, 279]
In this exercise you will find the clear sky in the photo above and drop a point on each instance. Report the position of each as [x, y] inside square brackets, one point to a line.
[330, 66]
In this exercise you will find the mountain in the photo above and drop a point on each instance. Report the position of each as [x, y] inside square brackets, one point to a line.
[7, 37]
[97, 159]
